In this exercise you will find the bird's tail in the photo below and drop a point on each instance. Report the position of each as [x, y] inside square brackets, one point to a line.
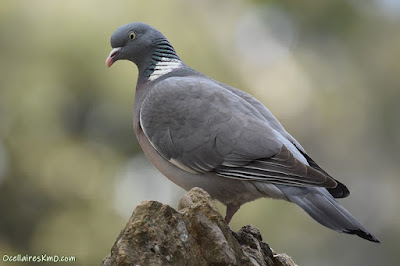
[323, 208]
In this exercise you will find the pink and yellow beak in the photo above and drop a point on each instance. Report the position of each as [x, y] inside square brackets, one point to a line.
[113, 56]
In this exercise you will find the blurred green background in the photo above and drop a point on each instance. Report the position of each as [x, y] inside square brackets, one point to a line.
[71, 171]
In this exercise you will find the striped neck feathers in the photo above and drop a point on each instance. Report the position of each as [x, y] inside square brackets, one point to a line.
[163, 60]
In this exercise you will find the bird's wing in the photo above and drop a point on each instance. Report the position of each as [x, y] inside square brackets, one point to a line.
[201, 127]
[272, 121]
[340, 191]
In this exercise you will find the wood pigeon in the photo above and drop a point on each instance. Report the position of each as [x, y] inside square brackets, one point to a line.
[202, 133]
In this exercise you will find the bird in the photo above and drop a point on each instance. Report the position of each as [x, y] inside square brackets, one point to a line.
[199, 132]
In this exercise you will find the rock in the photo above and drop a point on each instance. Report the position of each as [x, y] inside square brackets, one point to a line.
[196, 234]
[251, 242]
[283, 260]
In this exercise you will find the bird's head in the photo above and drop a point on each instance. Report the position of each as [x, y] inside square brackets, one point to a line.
[134, 42]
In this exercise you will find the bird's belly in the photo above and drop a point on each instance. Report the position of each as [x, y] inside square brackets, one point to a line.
[221, 188]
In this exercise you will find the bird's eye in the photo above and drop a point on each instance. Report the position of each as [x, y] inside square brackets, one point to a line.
[132, 35]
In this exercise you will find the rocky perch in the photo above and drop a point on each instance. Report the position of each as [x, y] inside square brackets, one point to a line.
[196, 234]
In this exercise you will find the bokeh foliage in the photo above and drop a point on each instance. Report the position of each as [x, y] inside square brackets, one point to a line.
[71, 170]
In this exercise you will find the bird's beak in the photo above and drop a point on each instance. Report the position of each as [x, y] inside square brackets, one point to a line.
[113, 56]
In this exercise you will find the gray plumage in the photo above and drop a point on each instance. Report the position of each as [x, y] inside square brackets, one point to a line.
[200, 132]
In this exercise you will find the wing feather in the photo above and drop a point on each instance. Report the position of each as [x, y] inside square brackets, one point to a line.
[283, 168]
[201, 127]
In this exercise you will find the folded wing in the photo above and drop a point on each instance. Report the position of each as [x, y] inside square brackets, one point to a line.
[202, 127]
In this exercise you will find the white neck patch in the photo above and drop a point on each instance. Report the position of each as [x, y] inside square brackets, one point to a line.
[165, 66]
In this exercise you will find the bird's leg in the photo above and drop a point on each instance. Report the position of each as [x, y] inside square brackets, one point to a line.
[231, 209]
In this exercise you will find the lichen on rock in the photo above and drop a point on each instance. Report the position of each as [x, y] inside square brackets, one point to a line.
[196, 234]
